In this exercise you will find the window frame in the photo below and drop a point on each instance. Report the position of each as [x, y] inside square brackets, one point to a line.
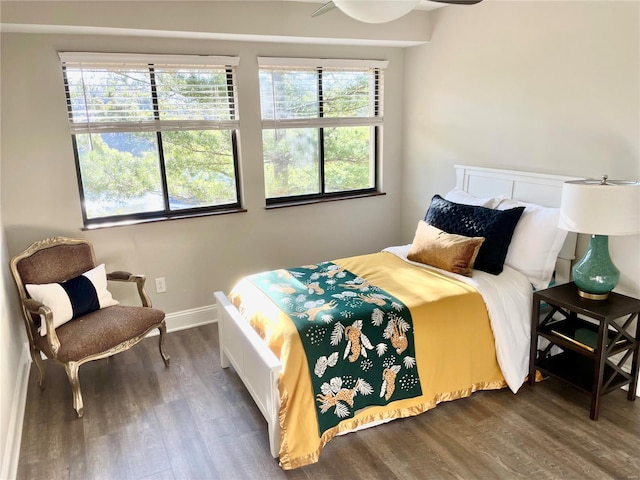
[320, 65]
[152, 62]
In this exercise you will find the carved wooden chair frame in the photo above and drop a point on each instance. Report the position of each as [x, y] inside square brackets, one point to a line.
[33, 309]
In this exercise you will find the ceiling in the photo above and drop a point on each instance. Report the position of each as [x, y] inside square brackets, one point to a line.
[47, 20]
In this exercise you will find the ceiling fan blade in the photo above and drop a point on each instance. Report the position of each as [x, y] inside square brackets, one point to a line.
[458, 2]
[324, 9]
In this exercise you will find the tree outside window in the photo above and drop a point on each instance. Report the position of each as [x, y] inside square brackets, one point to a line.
[153, 137]
[321, 122]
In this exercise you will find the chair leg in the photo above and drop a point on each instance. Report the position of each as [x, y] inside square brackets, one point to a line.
[163, 331]
[37, 359]
[72, 373]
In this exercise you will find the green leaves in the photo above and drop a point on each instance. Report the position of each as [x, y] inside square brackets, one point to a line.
[318, 130]
[112, 176]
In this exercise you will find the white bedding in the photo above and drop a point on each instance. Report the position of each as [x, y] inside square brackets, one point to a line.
[508, 298]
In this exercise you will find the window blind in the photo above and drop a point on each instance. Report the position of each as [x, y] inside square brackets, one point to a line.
[131, 92]
[301, 93]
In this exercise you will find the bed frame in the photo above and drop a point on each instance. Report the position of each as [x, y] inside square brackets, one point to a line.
[257, 365]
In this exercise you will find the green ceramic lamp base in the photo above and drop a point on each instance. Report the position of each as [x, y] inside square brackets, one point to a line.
[595, 275]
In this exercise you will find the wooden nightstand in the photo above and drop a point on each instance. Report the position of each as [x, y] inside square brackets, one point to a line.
[586, 345]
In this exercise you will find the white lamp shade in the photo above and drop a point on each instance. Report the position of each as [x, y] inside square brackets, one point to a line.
[376, 11]
[591, 207]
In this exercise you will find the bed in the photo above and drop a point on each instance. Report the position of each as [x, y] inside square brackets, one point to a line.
[465, 333]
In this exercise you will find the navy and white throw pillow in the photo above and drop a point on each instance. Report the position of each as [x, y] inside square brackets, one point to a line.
[76, 297]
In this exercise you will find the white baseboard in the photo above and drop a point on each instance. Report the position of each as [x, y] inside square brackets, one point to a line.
[194, 317]
[184, 319]
[176, 321]
[626, 389]
[626, 368]
[11, 455]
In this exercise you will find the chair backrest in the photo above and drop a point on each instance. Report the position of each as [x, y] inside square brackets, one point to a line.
[52, 260]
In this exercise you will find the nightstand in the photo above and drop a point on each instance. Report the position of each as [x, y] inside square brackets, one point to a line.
[587, 334]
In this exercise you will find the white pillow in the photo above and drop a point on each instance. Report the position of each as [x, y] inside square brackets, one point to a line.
[457, 195]
[73, 298]
[536, 242]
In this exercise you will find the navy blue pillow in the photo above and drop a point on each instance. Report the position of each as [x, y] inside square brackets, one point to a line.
[82, 295]
[496, 226]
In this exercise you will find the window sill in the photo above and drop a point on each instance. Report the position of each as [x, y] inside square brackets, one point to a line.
[311, 201]
[137, 221]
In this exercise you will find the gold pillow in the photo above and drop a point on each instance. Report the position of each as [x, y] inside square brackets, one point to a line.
[454, 253]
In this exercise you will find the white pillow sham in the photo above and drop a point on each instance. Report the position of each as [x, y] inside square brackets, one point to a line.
[536, 242]
[457, 195]
[73, 298]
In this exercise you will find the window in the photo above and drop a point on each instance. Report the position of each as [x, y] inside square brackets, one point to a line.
[321, 122]
[154, 136]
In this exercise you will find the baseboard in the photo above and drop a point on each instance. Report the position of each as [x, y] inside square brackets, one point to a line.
[627, 369]
[176, 321]
[194, 317]
[11, 455]
[626, 389]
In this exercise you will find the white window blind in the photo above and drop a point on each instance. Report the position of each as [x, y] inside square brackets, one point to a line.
[131, 92]
[307, 92]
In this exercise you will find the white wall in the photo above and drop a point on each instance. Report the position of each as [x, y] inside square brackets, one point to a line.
[274, 20]
[199, 255]
[543, 86]
[38, 188]
[12, 367]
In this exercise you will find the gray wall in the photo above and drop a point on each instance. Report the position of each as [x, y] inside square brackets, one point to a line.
[12, 340]
[551, 87]
[544, 86]
[199, 255]
[38, 189]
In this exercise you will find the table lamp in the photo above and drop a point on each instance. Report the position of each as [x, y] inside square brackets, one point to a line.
[599, 208]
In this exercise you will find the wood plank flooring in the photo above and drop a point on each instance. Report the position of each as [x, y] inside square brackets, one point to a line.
[195, 420]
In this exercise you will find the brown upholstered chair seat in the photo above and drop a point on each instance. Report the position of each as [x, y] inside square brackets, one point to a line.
[82, 284]
[99, 331]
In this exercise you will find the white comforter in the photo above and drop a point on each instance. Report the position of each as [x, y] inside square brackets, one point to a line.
[508, 298]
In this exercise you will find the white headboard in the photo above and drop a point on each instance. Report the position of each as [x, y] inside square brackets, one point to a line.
[541, 188]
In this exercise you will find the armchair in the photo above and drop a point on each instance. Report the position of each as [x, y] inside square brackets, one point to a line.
[70, 315]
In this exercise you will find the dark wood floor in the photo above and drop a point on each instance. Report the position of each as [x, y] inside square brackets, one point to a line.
[196, 421]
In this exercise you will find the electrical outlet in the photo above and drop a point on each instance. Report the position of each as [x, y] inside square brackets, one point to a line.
[161, 286]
